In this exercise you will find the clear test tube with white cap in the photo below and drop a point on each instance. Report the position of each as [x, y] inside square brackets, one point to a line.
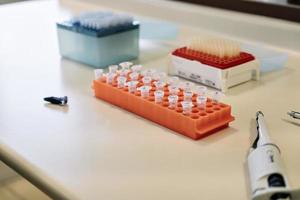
[173, 99]
[173, 90]
[145, 91]
[136, 68]
[147, 80]
[125, 65]
[186, 107]
[134, 76]
[158, 96]
[148, 72]
[123, 72]
[216, 96]
[201, 90]
[113, 69]
[125, 68]
[173, 81]
[186, 86]
[132, 86]
[110, 77]
[187, 96]
[159, 76]
[159, 85]
[98, 74]
[121, 81]
[201, 102]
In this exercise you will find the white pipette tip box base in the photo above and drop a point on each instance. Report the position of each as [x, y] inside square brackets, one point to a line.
[215, 77]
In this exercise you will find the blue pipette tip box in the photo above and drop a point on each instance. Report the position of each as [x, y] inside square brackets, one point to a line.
[99, 39]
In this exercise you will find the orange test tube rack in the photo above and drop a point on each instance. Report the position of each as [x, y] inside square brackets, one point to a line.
[197, 125]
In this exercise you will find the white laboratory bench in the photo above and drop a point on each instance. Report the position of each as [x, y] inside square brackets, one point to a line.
[93, 150]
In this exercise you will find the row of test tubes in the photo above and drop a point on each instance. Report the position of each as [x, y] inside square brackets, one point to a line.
[160, 81]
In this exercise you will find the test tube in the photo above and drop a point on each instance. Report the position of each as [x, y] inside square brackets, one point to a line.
[148, 72]
[123, 72]
[159, 76]
[134, 76]
[186, 86]
[113, 69]
[173, 90]
[158, 96]
[125, 65]
[216, 95]
[136, 68]
[201, 102]
[121, 81]
[132, 86]
[147, 80]
[173, 81]
[186, 107]
[187, 96]
[145, 91]
[98, 73]
[173, 99]
[201, 90]
[110, 77]
[159, 85]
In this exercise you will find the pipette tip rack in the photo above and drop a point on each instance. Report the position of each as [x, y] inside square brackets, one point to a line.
[212, 60]
[216, 72]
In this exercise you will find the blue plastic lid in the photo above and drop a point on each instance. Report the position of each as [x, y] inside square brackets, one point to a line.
[99, 24]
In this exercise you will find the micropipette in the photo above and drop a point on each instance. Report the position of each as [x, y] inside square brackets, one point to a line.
[267, 175]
